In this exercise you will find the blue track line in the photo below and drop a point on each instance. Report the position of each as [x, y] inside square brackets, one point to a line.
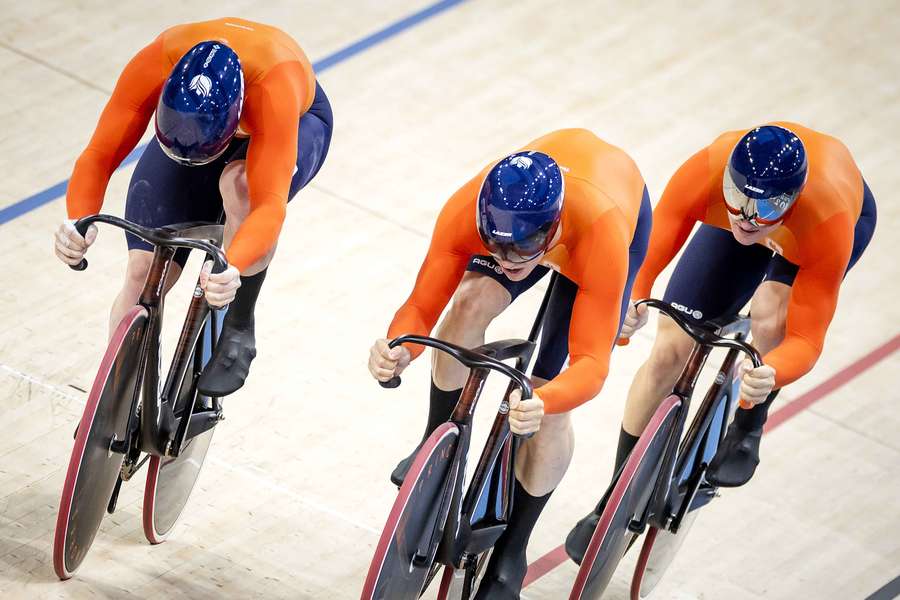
[19, 208]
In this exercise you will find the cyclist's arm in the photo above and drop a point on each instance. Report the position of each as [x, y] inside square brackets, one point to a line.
[121, 125]
[448, 255]
[595, 320]
[812, 303]
[272, 114]
[682, 204]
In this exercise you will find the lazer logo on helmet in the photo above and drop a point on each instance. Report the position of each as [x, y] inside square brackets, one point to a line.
[212, 53]
[754, 189]
[694, 313]
[501, 233]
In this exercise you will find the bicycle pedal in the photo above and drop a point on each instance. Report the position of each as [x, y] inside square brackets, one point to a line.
[117, 446]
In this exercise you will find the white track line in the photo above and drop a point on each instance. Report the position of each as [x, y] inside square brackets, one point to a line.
[251, 472]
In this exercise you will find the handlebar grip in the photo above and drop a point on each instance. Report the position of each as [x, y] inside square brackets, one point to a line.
[390, 383]
[218, 267]
[81, 227]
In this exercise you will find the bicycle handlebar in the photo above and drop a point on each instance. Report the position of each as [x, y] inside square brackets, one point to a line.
[703, 334]
[157, 237]
[472, 359]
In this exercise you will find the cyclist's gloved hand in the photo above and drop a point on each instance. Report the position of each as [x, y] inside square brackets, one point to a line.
[221, 287]
[525, 415]
[386, 362]
[68, 243]
[635, 318]
[756, 384]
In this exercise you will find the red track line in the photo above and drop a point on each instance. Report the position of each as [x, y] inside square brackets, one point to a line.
[832, 383]
[544, 565]
[557, 556]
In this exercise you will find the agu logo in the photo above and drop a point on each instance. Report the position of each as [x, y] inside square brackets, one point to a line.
[489, 264]
[201, 84]
[692, 312]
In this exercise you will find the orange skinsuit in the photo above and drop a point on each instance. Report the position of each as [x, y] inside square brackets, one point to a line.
[816, 235]
[279, 87]
[603, 193]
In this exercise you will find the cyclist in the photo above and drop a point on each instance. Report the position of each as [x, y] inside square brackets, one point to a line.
[567, 201]
[241, 125]
[784, 213]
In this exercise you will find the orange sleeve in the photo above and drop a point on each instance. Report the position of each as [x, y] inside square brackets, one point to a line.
[813, 301]
[595, 318]
[442, 269]
[273, 107]
[121, 125]
[682, 204]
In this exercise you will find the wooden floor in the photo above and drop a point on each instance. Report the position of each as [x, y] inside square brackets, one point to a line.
[294, 495]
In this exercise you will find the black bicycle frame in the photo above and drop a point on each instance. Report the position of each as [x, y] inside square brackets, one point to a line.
[461, 535]
[669, 500]
[160, 433]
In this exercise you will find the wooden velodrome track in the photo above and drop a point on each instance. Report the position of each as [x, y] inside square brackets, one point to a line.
[292, 499]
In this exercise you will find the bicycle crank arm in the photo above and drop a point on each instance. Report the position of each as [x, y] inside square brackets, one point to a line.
[111, 507]
[130, 468]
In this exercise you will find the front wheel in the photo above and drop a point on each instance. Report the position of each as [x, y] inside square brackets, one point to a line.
[612, 537]
[404, 557]
[94, 465]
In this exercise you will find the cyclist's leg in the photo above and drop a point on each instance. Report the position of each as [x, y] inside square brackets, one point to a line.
[162, 192]
[483, 293]
[715, 276]
[542, 460]
[737, 459]
[230, 364]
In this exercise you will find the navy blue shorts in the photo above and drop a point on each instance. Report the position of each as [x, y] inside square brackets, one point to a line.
[163, 192]
[716, 276]
[554, 343]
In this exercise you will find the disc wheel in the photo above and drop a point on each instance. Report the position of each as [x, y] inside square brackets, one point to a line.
[170, 480]
[417, 513]
[93, 466]
[612, 537]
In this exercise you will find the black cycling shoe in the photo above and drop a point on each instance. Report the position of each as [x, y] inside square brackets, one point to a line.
[505, 586]
[578, 539]
[402, 468]
[227, 370]
[736, 459]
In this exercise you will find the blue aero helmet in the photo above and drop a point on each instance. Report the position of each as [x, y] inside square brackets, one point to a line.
[200, 104]
[766, 172]
[519, 206]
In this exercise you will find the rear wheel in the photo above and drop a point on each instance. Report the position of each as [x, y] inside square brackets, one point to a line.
[657, 553]
[98, 454]
[612, 537]
[454, 580]
[170, 480]
[403, 558]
